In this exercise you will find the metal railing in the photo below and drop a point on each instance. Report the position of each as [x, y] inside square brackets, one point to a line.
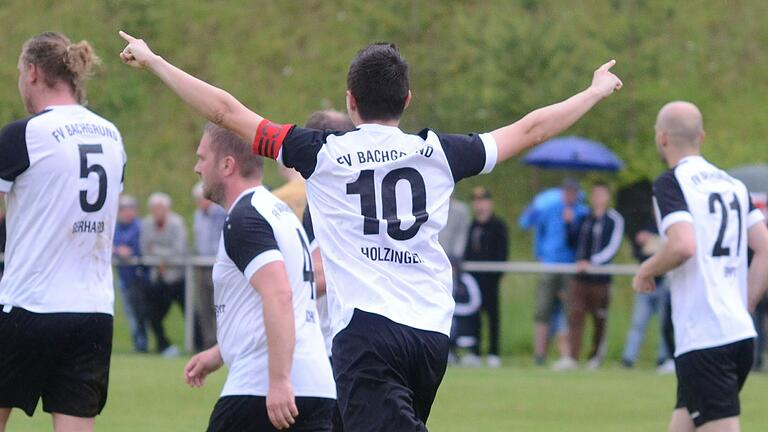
[190, 263]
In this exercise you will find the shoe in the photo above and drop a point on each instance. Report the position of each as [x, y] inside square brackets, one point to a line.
[594, 363]
[471, 360]
[171, 352]
[666, 368]
[539, 360]
[493, 361]
[565, 364]
[627, 364]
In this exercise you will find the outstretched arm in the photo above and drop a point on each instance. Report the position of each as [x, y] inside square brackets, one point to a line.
[215, 104]
[544, 123]
[758, 270]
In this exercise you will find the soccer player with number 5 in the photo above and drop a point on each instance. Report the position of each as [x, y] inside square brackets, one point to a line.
[378, 198]
[61, 172]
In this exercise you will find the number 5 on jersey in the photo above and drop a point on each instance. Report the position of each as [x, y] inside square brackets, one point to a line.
[85, 171]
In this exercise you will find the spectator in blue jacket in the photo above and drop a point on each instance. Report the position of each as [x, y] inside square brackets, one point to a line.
[549, 215]
[132, 277]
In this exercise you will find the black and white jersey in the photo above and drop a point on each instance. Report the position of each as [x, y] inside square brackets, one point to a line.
[379, 197]
[62, 171]
[261, 229]
[709, 291]
[322, 300]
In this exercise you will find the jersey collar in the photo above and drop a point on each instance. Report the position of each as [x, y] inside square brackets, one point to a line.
[375, 127]
[242, 194]
[689, 159]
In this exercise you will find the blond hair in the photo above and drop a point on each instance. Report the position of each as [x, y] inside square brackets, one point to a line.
[61, 61]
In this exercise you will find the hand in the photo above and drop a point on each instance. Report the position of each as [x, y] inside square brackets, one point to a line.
[581, 266]
[124, 251]
[604, 82]
[642, 237]
[136, 53]
[643, 284]
[201, 365]
[568, 215]
[281, 404]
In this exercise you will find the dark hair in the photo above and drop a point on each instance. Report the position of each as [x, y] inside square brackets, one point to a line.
[601, 184]
[61, 60]
[226, 143]
[330, 120]
[378, 80]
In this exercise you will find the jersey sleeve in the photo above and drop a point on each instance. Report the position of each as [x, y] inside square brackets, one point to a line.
[14, 156]
[293, 146]
[249, 240]
[469, 155]
[670, 201]
[755, 215]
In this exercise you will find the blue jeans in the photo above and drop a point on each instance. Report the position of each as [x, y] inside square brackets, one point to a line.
[134, 308]
[646, 305]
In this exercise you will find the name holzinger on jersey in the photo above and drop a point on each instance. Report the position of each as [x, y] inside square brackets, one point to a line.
[88, 227]
[385, 254]
[378, 156]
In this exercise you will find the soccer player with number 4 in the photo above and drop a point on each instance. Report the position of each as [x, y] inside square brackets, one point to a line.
[709, 222]
[378, 198]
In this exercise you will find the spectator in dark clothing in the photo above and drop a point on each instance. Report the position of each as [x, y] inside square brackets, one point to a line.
[132, 277]
[597, 239]
[487, 242]
[466, 320]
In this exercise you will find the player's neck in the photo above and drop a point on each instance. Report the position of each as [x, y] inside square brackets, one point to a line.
[236, 188]
[675, 159]
[53, 98]
[392, 123]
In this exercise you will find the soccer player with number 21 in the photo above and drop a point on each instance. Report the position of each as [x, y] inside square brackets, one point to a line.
[378, 198]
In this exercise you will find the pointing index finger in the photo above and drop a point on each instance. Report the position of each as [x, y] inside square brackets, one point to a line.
[608, 65]
[126, 36]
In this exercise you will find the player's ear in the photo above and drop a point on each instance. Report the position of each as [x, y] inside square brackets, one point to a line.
[408, 100]
[351, 103]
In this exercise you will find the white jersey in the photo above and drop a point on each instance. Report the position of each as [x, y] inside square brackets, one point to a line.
[261, 229]
[62, 171]
[379, 198]
[322, 300]
[709, 291]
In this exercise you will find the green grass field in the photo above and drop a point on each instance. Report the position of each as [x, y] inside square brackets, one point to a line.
[147, 393]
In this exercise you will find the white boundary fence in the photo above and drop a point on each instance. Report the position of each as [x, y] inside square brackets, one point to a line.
[193, 262]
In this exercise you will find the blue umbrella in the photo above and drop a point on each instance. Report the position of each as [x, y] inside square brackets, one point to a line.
[573, 153]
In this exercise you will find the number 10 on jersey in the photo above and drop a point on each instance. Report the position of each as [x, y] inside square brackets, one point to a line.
[366, 188]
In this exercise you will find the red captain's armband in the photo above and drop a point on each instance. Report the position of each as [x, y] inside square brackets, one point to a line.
[269, 138]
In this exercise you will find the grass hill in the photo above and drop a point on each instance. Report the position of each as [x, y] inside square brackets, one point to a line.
[475, 65]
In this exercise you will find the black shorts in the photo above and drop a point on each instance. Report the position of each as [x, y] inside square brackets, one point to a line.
[709, 380]
[61, 357]
[249, 414]
[387, 374]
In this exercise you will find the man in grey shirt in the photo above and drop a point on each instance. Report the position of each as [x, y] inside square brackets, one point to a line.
[208, 222]
[164, 235]
[453, 237]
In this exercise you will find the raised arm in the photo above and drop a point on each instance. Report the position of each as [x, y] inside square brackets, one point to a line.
[544, 123]
[758, 270]
[214, 104]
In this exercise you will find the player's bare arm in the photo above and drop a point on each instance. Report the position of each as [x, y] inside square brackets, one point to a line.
[679, 247]
[544, 123]
[214, 104]
[271, 281]
[758, 270]
[201, 365]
